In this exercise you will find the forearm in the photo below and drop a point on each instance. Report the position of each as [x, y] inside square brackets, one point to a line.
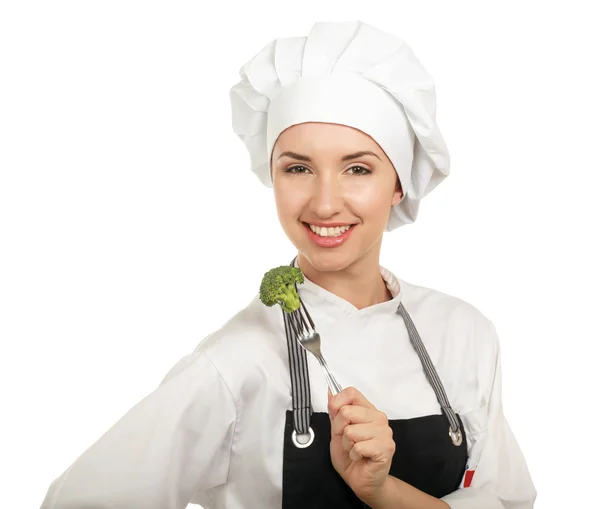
[397, 494]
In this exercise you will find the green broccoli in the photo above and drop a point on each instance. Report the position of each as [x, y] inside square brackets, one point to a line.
[279, 287]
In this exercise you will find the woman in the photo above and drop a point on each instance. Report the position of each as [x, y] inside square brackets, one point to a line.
[342, 124]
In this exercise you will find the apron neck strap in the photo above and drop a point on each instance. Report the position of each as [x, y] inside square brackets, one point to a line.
[301, 400]
[429, 368]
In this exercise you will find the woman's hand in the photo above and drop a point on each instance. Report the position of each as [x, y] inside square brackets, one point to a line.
[362, 445]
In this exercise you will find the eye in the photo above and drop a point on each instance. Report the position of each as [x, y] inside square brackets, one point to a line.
[359, 170]
[297, 169]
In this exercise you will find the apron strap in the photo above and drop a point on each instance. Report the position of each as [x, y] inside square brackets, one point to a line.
[430, 371]
[301, 400]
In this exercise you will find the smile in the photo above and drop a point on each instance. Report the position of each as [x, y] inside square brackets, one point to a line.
[336, 231]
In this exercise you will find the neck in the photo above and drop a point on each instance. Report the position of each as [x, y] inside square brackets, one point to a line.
[360, 283]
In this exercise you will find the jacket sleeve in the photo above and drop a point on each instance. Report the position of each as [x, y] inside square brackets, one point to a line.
[501, 479]
[172, 444]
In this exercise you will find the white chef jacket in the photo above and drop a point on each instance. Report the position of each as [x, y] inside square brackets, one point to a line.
[212, 432]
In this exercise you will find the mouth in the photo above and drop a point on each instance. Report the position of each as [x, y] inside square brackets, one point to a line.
[329, 236]
[329, 231]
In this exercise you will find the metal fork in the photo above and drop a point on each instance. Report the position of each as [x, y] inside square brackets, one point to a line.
[304, 328]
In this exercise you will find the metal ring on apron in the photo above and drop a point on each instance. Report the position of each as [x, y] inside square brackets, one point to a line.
[303, 445]
[456, 436]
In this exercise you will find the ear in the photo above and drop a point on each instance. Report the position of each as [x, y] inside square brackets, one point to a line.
[398, 194]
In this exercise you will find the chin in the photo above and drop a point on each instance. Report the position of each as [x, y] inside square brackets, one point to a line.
[328, 260]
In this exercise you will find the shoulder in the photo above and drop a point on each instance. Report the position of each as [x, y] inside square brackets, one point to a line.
[233, 362]
[436, 301]
[251, 343]
[458, 318]
[461, 340]
[253, 327]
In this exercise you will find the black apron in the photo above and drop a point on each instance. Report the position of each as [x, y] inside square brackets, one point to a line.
[431, 451]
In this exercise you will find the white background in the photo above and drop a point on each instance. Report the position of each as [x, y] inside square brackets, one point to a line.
[131, 225]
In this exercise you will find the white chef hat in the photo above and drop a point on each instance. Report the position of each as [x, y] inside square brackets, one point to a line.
[347, 73]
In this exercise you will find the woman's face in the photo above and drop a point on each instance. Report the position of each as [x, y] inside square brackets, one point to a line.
[328, 178]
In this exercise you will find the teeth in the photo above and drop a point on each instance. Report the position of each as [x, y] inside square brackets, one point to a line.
[329, 232]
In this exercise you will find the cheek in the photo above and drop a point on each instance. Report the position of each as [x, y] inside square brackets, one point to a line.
[369, 199]
[288, 199]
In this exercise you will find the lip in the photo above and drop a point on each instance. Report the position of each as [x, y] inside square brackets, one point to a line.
[329, 241]
[328, 225]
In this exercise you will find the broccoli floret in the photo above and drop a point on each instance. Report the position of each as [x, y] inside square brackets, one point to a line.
[279, 287]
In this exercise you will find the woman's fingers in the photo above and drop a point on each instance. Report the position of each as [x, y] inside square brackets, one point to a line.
[349, 414]
[349, 396]
[364, 430]
[354, 433]
[377, 449]
[352, 414]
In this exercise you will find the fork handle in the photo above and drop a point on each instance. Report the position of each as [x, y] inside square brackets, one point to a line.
[334, 386]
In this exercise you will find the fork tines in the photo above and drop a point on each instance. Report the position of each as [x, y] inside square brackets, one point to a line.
[301, 321]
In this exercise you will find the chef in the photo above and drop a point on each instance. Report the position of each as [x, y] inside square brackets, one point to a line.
[341, 124]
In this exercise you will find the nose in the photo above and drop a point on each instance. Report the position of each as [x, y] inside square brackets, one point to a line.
[327, 197]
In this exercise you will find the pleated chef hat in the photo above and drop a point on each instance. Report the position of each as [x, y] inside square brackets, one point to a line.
[347, 73]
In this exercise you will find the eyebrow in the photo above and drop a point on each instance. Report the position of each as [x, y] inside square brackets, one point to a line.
[348, 157]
